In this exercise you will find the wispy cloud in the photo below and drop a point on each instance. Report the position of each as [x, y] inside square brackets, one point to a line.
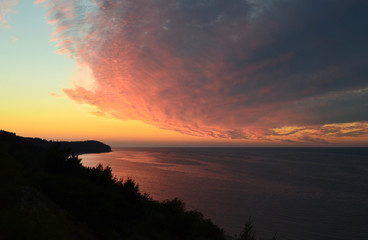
[6, 7]
[319, 133]
[14, 39]
[36, 2]
[226, 69]
[57, 95]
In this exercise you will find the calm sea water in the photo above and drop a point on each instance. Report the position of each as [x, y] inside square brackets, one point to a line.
[302, 193]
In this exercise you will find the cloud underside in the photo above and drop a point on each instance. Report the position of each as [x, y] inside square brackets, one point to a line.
[240, 69]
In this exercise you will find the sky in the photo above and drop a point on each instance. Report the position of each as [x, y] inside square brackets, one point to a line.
[186, 72]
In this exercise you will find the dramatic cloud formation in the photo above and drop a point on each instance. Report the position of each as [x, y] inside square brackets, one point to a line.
[293, 70]
[6, 7]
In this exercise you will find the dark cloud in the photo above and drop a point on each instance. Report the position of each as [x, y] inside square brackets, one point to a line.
[312, 139]
[226, 69]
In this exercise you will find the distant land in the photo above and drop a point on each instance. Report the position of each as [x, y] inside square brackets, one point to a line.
[76, 147]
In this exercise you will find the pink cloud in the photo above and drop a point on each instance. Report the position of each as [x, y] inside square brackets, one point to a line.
[220, 70]
[39, 2]
[6, 7]
[55, 95]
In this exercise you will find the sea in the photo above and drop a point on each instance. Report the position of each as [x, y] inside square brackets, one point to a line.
[298, 193]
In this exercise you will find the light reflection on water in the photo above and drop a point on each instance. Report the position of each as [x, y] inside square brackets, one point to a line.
[300, 193]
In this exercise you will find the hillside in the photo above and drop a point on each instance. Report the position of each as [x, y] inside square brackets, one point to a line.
[47, 194]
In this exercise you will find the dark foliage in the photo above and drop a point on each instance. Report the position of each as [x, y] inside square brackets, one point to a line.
[248, 232]
[46, 193]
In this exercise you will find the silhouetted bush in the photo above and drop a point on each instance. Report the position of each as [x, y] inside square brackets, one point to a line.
[50, 195]
[248, 232]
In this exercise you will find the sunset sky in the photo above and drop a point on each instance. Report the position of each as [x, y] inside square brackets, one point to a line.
[186, 72]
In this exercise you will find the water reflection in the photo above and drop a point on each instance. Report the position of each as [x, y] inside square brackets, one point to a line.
[302, 193]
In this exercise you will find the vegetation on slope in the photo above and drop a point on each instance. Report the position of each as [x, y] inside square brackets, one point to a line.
[48, 194]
